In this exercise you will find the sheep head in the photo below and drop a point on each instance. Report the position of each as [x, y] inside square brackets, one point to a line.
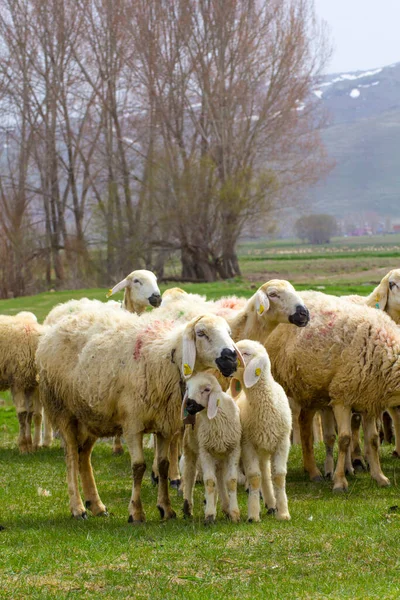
[141, 290]
[207, 341]
[202, 391]
[386, 296]
[277, 301]
[257, 363]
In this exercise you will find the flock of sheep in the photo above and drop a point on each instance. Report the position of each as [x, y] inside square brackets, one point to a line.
[211, 380]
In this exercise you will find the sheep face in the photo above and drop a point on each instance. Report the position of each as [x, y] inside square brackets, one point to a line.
[394, 289]
[203, 391]
[142, 288]
[256, 361]
[207, 343]
[279, 300]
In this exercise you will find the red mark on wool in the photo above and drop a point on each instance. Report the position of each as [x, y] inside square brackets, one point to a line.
[152, 332]
[138, 348]
[230, 303]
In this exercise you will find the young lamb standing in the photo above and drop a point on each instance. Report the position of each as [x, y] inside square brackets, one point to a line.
[107, 372]
[266, 425]
[19, 338]
[215, 442]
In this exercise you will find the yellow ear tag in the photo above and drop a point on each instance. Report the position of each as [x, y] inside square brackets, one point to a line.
[187, 370]
[218, 401]
[109, 293]
[258, 372]
[261, 309]
[377, 301]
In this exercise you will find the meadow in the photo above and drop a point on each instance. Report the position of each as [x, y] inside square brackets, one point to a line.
[335, 546]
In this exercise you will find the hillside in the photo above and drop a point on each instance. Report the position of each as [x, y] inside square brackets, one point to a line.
[363, 138]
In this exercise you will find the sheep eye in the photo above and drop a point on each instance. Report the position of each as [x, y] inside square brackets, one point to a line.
[137, 281]
[201, 333]
[273, 295]
[207, 390]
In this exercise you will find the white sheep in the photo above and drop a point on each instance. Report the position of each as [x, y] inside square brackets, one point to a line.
[266, 421]
[347, 357]
[107, 372]
[214, 441]
[19, 337]
[141, 291]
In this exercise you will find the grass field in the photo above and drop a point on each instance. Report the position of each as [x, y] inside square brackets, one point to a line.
[335, 546]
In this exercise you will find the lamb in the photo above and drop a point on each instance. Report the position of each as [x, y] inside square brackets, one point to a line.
[347, 358]
[107, 372]
[19, 337]
[215, 442]
[266, 421]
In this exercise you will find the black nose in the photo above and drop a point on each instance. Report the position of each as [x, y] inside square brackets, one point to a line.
[193, 407]
[155, 299]
[227, 363]
[301, 317]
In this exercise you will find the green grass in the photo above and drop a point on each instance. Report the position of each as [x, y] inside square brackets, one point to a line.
[342, 546]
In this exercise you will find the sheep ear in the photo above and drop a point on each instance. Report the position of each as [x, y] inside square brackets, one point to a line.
[213, 403]
[254, 369]
[117, 288]
[234, 387]
[184, 402]
[188, 351]
[240, 357]
[381, 293]
[262, 302]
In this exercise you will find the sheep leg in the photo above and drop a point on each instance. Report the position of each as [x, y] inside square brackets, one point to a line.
[372, 442]
[295, 408]
[267, 488]
[394, 412]
[329, 429]
[19, 400]
[90, 493]
[163, 500]
[47, 431]
[343, 418]
[188, 482]
[305, 422]
[174, 475]
[356, 454]
[251, 464]
[134, 441]
[28, 430]
[210, 486]
[317, 428]
[117, 445]
[37, 419]
[70, 434]
[279, 470]
[154, 468]
[387, 427]
[230, 473]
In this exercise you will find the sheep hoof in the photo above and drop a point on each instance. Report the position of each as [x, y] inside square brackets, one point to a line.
[154, 478]
[187, 511]
[340, 488]
[329, 476]
[282, 517]
[395, 454]
[136, 521]
[235, 517]
[81, 516]
[117, 451]
[103, 513]
[317, 478]
[166, 514]
[270, 511]
[175, 484]
[209, 520]
[253, 520]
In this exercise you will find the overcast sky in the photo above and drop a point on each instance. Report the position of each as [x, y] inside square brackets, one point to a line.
[365, 33]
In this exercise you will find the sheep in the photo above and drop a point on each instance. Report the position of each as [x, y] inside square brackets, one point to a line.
[107, 372]
[141, 290]
[266, 421]
[347, 357]
[215, 442]
[19, 337]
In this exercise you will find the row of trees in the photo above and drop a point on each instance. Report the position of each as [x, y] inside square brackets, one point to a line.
[136, 129]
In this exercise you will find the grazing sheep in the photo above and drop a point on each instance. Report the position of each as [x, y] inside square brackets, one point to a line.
[19, 337]
[107, 372]
[347, 358]
[215, 442]
[266, 421]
